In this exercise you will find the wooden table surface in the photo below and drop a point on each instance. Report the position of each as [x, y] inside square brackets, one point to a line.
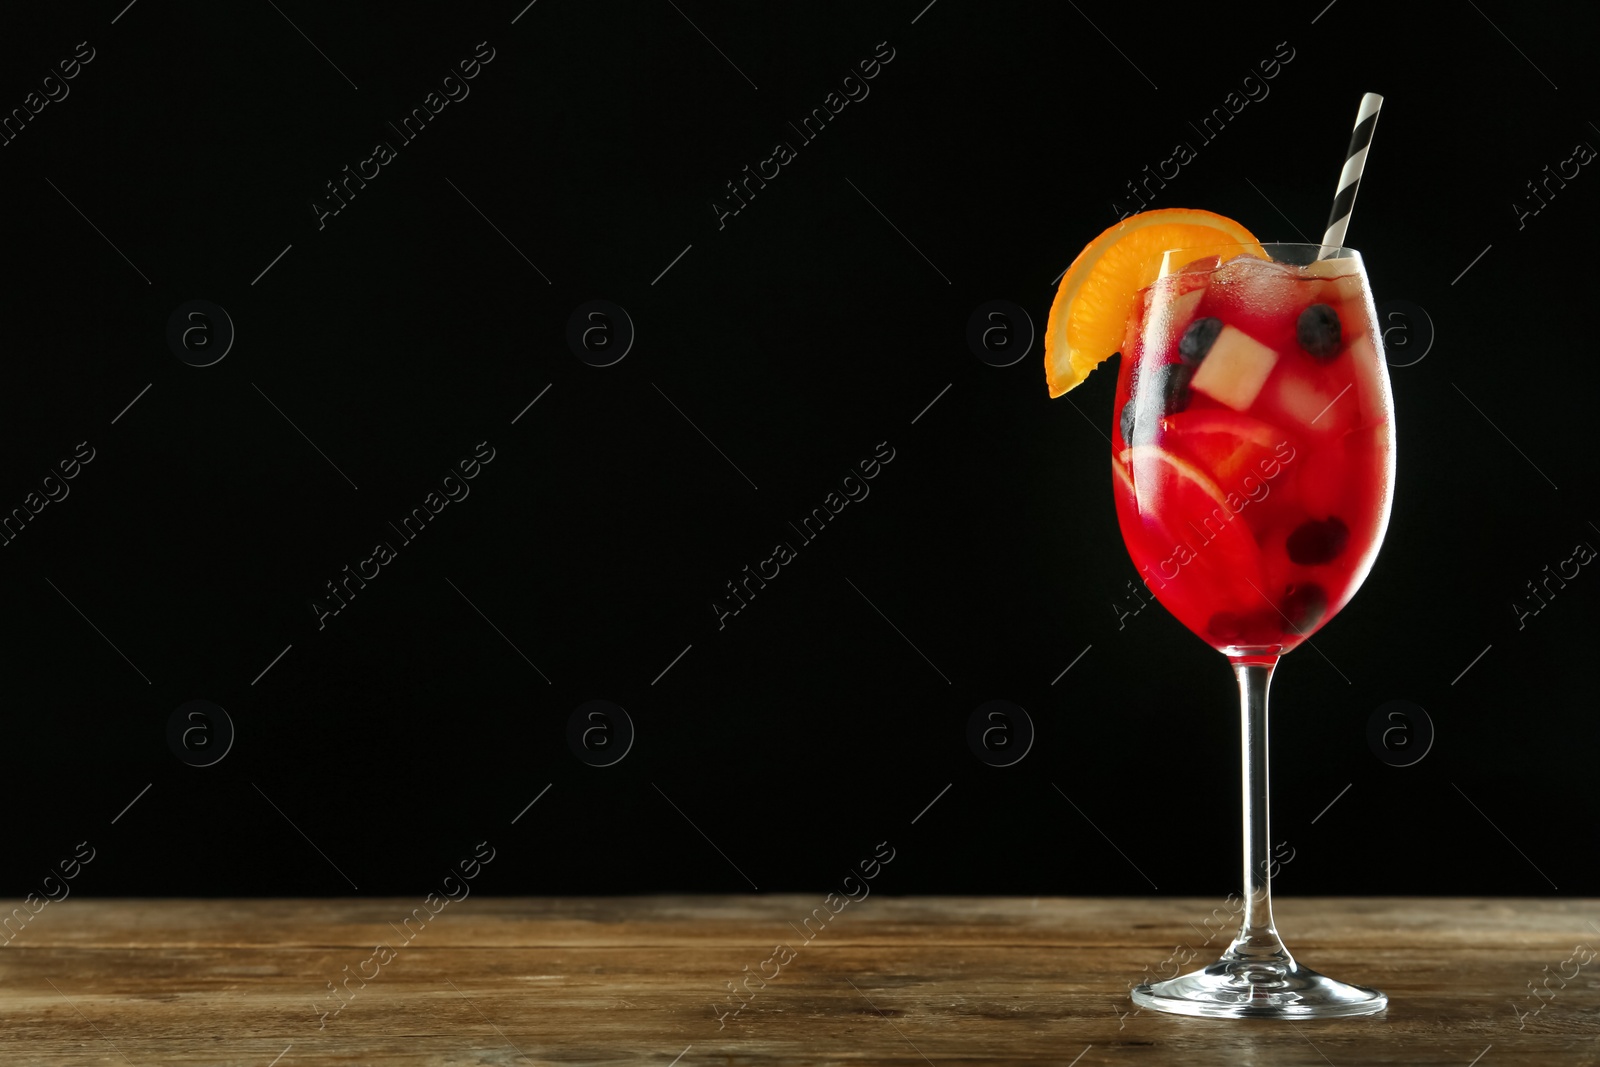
[641, 980]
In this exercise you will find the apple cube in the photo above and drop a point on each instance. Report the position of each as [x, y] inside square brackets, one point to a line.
[1235, 369]
[1331, 268]
[1309, 405]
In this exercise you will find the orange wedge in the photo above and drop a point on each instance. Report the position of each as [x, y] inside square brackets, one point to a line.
[1180, 505]
[1228, 446]
[1098, 292]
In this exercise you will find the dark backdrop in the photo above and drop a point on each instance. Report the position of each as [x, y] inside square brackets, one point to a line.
[773, 350]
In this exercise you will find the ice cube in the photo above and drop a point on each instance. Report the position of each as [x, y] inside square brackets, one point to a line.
[1259, 297]
[1235, 369]
[1258, 281]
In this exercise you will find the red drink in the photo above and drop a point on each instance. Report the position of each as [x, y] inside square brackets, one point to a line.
[1252, 459]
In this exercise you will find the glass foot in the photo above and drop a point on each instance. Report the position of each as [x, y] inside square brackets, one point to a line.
[1235, 989]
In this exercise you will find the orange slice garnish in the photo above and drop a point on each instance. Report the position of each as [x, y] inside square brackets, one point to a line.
[1098, 292]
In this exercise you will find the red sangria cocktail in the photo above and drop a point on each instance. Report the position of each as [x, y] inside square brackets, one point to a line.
[1252, 458]
[1252, 468]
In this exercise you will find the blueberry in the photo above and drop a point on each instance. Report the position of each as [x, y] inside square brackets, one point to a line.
[1173, 382]
[1198, 339]
[1319, 331]
[1316, 542]
[1304, 604]
[1160, 391]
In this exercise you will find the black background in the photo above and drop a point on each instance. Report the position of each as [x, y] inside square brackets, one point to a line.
[819, 321]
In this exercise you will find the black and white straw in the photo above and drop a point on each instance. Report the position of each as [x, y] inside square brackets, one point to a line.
[1350, 178]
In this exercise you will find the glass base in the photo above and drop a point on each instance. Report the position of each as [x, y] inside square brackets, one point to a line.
[1237, 989]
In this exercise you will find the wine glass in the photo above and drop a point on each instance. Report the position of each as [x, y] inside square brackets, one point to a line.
[1253, 470]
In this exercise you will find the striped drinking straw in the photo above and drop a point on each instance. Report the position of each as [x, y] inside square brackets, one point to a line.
[1350, 178]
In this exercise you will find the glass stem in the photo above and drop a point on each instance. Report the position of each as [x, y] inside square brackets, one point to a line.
[1257, 954]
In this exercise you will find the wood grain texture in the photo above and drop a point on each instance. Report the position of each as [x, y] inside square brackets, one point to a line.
[503, 981]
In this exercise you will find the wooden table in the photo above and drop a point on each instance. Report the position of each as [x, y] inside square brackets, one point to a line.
[887, 980]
